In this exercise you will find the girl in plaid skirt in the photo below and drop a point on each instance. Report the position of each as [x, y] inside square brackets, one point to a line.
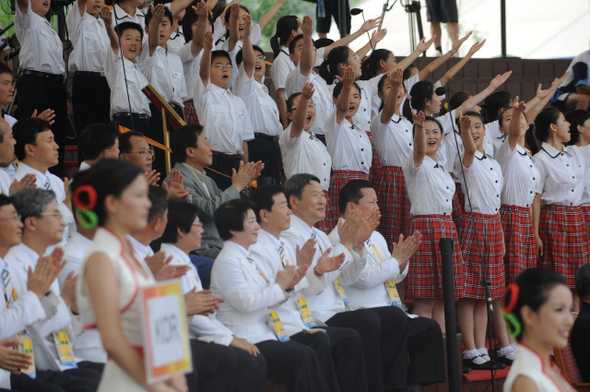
[580, 130]
[560, 228]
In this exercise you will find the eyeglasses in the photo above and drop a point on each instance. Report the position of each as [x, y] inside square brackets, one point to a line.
[54, 213]
[261, 57]
[15, 218]
[143, 153]
[221, 66]
[197, 224]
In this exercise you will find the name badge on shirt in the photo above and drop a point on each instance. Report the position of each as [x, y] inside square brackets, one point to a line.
[305, 312]
[25, 345]
[393, 294]
[62, 343]
[340, 290]
[277, 325]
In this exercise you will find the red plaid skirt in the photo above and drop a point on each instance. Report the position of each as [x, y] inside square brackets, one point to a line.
[392, 194]
[376, 164]
[458, 203]
[425, 274]
[565, 241]
[586, 214]
[482, 247]
[190, 113]
[519, 239]
[323, 225]
[337, 181]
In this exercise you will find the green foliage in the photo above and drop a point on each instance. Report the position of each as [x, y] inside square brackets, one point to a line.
[5, 16]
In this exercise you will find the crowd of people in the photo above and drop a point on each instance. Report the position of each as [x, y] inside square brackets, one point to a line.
[318, 207]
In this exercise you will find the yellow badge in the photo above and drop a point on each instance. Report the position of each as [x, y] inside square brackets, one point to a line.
[62, 343]
[305, 312]
[393, 294]
[340, 290]
[277, 325]
[25, 345]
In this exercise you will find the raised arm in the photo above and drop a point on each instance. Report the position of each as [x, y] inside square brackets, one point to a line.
[376, 37]
[211, 4]
[107, 17]
[82, 6]
[515, 130]
[391, 104]
[430, 68]
[197, 41]
[154, 29]
[248, 60]
[230, 4]
[367, 26]
[23, 6]
[344, 98]
[307, 56]
[467, 139]
[205, 69]
[457, 67]
[272, 12]
[474, 100]
[419, 139]
[421, 48]
[234, 27]
[542, 98]
[301, 111]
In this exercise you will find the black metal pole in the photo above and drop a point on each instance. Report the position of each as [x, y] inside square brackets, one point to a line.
[446, 249]
[503, 25]
[342, 9]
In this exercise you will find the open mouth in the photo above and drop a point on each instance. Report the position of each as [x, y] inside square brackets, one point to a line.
[132, 50]
[258, 68]
[475, 138]
[432, 143]
[308, 118]
[45, 4]
[351, 107]
[225, 77]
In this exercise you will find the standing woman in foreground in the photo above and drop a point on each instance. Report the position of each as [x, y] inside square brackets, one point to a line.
[537, 309]
[114, 195]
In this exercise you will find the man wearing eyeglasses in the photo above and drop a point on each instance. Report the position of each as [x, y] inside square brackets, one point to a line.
[134, 148]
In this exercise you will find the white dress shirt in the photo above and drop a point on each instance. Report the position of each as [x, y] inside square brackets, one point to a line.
[140, 250]
[90, 41]
[136, 81]
[74, 252]
[264, 112]
[327, 303]
[281, 66]
[248, 295]
[41, 47]
[394, 141]
[58, 187]
[224, 117]
[585, 201]
[447, 153]
[430, 187]
[191, 66]
[120, 16]
[562, 173]
[363, 116]
[305, 154]
[348, 145]
[5, 182]
[484, 181]
[176, 40]
[521, 177]
[163, 69]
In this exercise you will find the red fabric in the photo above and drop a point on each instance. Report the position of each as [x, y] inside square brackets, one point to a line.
[337, 181]
[565, 241]
[586, 214]
[458, 203]
[324, 225]
[394, 203]
[425, 273]
[190, 113]
[519, 239]
[376, 164]
[481, 248]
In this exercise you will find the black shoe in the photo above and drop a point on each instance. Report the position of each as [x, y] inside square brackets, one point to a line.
[466, 369]
[499, 364]
[488, 365]
[504, 361]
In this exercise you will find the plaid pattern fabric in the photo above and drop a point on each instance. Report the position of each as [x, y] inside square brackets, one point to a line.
[324, 224]
[458, 203]
[190, 113]
[482, 248]
[425, 273]
[394, 202]
[519, 239]
[565, 241]
[586, 214]
[376, 164]
[337, 181]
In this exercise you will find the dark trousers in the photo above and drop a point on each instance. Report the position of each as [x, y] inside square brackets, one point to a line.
[293, 364]
[338, 350]
[426, 352]
[203, 266]
[221, 368]
[157, 133]
[90, 101]
[83, 379]
[332, 9]
[40, 93]
[265, 150]
[223, 165]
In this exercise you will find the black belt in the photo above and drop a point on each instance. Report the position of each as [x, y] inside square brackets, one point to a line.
[57, 78]
[127, 114]
[274, 139]
[89, 73]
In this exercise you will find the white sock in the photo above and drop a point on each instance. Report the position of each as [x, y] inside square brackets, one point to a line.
[469, 354]
[514, 345]
[484, 353]
[507, 352]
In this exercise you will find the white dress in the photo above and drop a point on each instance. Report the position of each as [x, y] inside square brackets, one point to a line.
[114, 378]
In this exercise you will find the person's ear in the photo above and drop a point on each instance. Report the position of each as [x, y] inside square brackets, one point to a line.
[529, 317]
[30, 223]
[110, 204]
[29, 150]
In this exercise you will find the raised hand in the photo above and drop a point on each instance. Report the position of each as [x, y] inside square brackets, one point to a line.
[348, 78]
[367, 227]
[307, 26]
[404, 249]
[107, 16]
[418, 119]
[157, 261]
[349, 229]
[28, 180]
[460, 42]
[208, 41]
[152, 177]
[247, 25]
[518, 106]
[424, 45]
[201, 302]
[377, 36]
[465, 122]
[396, 78]
[558, 81]
[246, 174]
[39, 281]
[68, 291]
[234, 13]
[328, 263]
[201, 9]
[370, 24]
[307, 91]
[46, 115]
[476, 47]
[285, 277]
[158, 13]
[500, 79]
[306, 253]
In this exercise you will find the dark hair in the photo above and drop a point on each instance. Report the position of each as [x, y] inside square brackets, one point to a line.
[189, 18]
[167, 14]
[25, 132]
[352, 193]
[294, 185]
[543, 122]
[220, 53]
[534, 285]
[290, 101]
[322, 42]
[429, 118]
[420, 92]
[285, 25]
[230, 216]
[583, 282]
[471, 113]
[494, 102]
[575, 118]
[96, 138]
[338, 89]
[181, 215]
[503, 114]
[183, 137]
[408, 71]
[293, 43]
[331, 67]
[239, 55]
[122, 27]
[263, 197]
[4, 200]
[125, 145]
[107, 177]
[158, 197]
[227, 16]
[370, 66]
[457, 99]
[5, 69]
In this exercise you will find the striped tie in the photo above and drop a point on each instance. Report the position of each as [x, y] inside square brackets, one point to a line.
[284, 259]
[47, 184]
[316, 241]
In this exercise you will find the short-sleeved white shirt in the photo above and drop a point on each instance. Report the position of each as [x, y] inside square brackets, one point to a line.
[163, 69]
[394, 141]
[176, 41]
[447, 153]
[521, 176]
[120, 16]
[430, 187]
[90, 41]
[305, 154]
[190, 65]
[281, 66]
[562, 173]
[224, 117]
[363, 115]
[348, 145]
[484, 181]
